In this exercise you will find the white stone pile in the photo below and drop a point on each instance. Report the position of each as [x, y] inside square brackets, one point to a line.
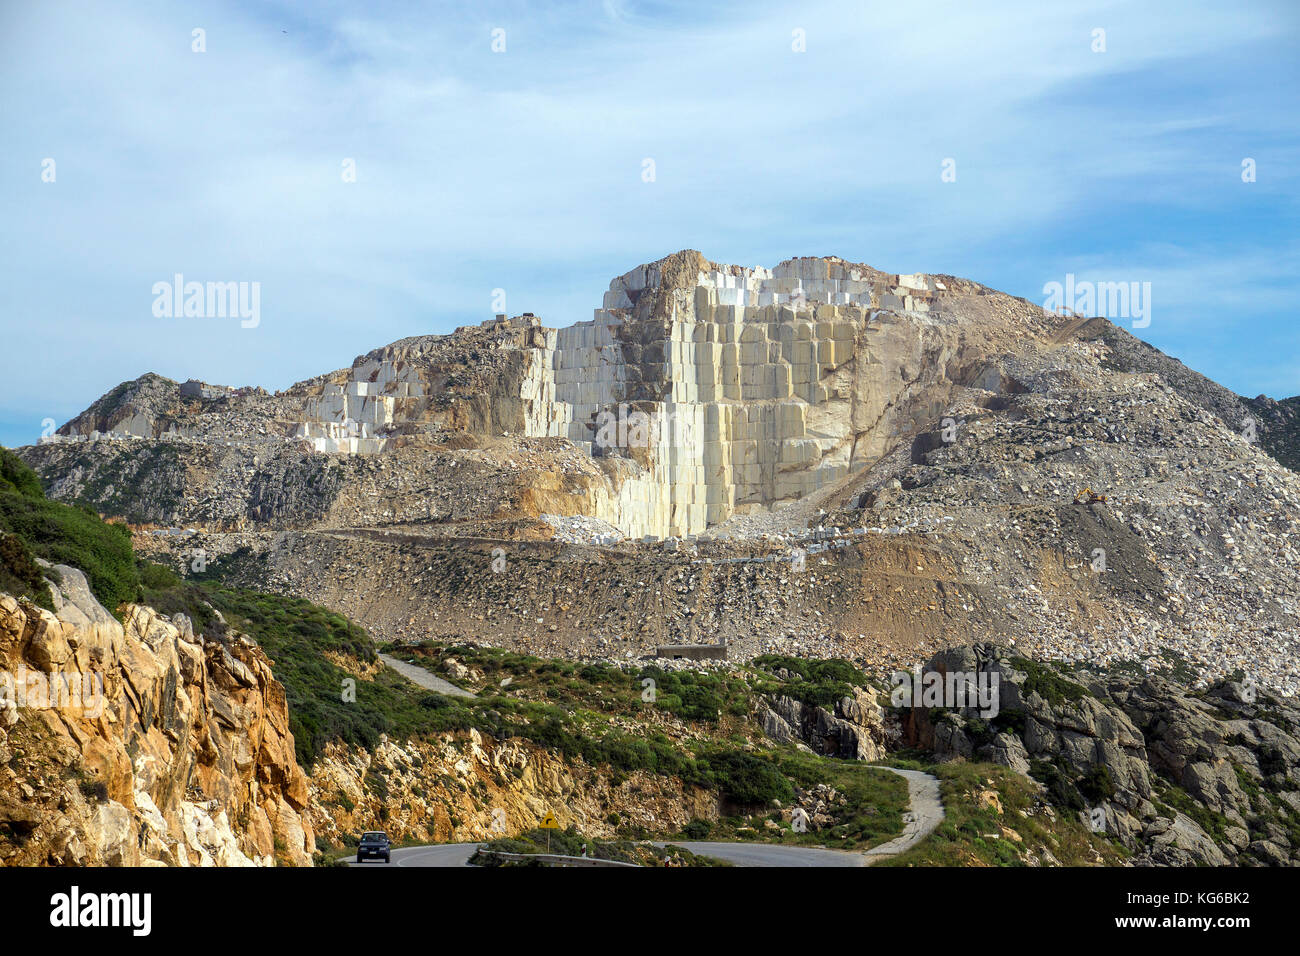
[580, 529]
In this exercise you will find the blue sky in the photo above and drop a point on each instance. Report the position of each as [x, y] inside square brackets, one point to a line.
[522, 170]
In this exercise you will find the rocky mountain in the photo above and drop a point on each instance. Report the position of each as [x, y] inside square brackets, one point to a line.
[1177, 776]
[817, 458]
[697, 391]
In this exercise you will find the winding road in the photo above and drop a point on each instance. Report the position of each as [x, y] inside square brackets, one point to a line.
[925, 813]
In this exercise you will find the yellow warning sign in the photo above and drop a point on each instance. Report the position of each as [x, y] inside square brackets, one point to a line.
[549, 822]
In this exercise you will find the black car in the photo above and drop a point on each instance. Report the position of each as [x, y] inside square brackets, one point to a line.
[374, 843]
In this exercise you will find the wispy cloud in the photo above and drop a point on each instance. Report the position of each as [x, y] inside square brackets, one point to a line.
[522, 170]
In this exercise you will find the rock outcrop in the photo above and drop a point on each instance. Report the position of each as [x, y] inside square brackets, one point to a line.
[141, 743]
[853, 730]
[1178, 776]
[464, 787]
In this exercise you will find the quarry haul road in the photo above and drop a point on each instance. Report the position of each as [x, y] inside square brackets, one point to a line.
[925, 814]
[418, 675]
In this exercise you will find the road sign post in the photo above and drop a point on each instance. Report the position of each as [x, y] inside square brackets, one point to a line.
[548, 824]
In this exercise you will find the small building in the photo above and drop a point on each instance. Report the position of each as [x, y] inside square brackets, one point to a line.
[196, 389]
[693, 652]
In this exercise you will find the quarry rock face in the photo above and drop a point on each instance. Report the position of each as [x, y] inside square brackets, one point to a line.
[141, 743]
[751, 387]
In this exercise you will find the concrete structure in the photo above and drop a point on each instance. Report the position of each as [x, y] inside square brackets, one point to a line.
[693, 652]
[196, 389]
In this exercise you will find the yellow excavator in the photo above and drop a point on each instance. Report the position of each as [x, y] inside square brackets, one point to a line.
[1088, 497]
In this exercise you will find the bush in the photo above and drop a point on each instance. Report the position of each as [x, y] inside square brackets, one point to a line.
[1049, 685]
[60, 534]
[1061, 791]
[1096, 785]
[748, 780]
[20, 574]
[819, 683]
[698, 829]
[16, 478]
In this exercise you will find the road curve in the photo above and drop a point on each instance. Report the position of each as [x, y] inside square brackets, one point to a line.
[438, 854]
[767, 854]
[925, 813]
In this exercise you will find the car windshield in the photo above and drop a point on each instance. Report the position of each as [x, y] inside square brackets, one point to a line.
[373, 838]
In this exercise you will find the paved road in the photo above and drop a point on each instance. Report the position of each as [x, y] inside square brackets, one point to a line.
[441, 854]
[741, 854]
[765, 854]
[925, 814]
[418, 675]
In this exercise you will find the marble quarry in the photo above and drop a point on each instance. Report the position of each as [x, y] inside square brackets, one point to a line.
[700, 390]
[748, 386]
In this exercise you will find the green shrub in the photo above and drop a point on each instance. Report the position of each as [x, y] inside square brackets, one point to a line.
[20, 574]
[746, 779]
[1096, 785]
[698, 829]
[819, 683]
[60, 534]
[1049, 685]
[16, 478]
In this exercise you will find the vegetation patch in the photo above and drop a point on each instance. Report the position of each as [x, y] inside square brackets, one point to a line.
[819, 683]
[1043, 680]
[32, 526]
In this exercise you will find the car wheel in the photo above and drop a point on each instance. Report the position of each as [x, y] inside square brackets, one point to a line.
[387, 858]
[358, 858]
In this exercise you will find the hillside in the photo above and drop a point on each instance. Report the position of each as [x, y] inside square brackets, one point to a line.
[838, 473]
[663, 472]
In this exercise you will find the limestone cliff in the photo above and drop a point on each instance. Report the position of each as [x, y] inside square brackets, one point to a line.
[141, 743]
